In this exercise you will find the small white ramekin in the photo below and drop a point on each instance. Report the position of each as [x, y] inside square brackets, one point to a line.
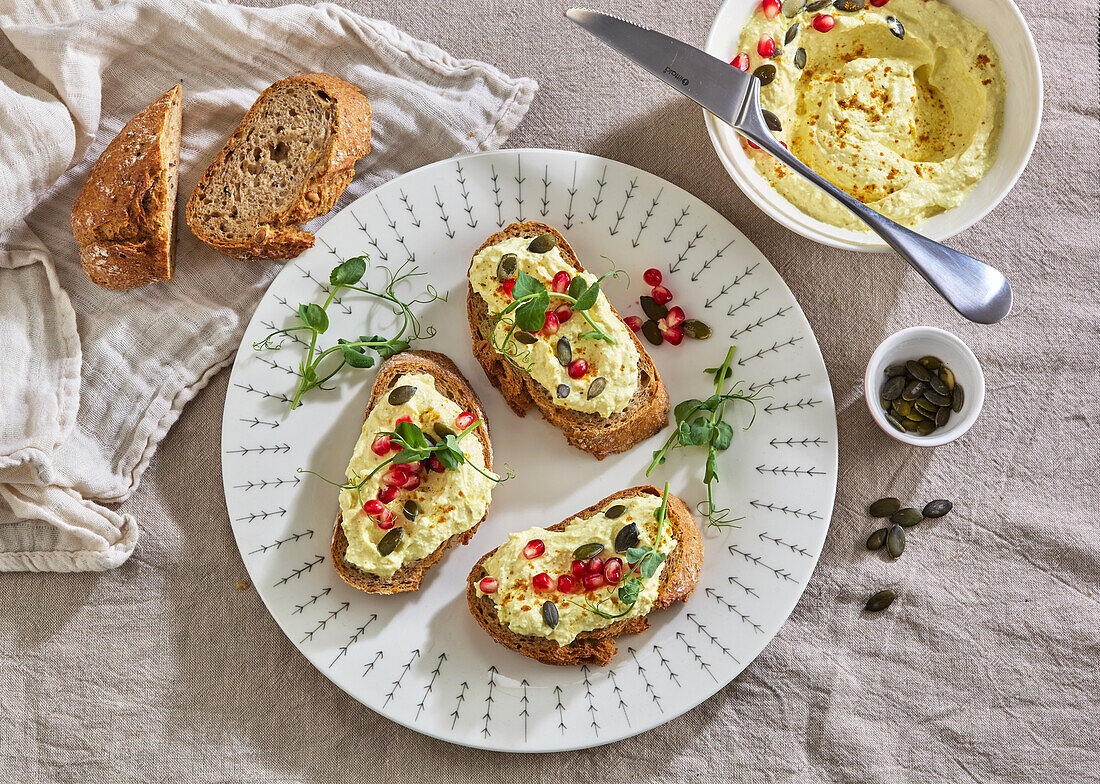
[914, 343]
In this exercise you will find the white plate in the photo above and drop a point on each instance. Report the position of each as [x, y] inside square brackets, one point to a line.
[420, 658]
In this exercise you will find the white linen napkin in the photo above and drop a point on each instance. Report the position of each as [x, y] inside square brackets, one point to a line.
[91, 379]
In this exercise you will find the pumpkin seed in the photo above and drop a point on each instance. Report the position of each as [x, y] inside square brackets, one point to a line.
[626, 538]
[942, 415]
[771, 120]
[614, 511]
[400, 395]
[526, 338]
[851, 6]
[947, 377]
[902, 408]
[880, 601]
[563, 350]
[934, 397]
[907, 517]
[885, 403]
[931, 362]
[895, 370]
[884, 507]
[926, 428]
[914, 390]
[792, 31]
[925, 407]
[937, 508]
[443, 430]
[793, 8]
[876, 540]
[652, 333]
[411, 509]
[896, 27]
[544, 243]
[895, 422]
[388, 543]
[563, 390]
[507, 266]
[598, 385]
[817, 5]
[550, 613]
[893, 388]
[895, 541]
[765, 73]
[652, 308]
[937, 384]
[910, 425]
[916, 417]
[800, 58]
[958, 397]
[695, 329]
[917, 370]
[586, 551]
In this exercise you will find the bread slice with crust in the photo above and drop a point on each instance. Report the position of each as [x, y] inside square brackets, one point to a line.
[644, 416]
[125, 214]
[289, 160]
[450, 383]
[677, 582]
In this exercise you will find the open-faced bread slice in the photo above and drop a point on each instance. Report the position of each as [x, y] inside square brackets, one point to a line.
[515, 606]
[289, 160]
[124, 216]
[601, 432]
[453, 503]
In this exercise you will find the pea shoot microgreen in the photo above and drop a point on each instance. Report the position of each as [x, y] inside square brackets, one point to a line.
[313, 318]
[701, 423]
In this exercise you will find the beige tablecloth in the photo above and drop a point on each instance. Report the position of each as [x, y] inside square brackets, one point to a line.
[984, 670]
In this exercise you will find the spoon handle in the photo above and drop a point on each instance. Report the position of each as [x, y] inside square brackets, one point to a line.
[976, 290]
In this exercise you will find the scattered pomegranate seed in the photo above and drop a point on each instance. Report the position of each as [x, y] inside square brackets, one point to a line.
[634, 323]
[674, 335]
[464, 420]
[380, 445]
[542, 582]
[878, 3]
[408, 468]
[436, 465]
[402, 419]
[387, 494]
[567, 584]
[534, 549]
[661, 295]
[751, 144]
[507, 286]
[374, 507]
[593, 581]
[577, 368]
[550, 323]
[411, 483]
[594, 565]
[561, 281]
[577, 568]
[765, 47]
[385, 520]
[564, 313]
[741, 61]
[487, 585]
[823, 23]
[675, 316]
[652, 277]
[613, 570]
[785, 147]
[770, 8]
[394, 476]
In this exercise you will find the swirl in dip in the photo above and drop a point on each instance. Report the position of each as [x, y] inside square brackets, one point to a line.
[899, 105]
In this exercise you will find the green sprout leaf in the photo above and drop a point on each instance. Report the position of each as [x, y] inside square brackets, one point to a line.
[526, 286]
[531, 315]
[577, 287]
[349, 272]
[356, 356]
[588, 298]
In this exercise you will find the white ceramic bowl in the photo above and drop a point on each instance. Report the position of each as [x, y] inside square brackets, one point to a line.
[914, 343]
[1023, 111]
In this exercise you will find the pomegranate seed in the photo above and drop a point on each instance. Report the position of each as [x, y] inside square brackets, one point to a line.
[878, 3]
[408, 419]
[534, 549]
[577, 568]
[577, 368]
[751, 144]
[394, 476]
[507, 286]
[387, 494]
[765, 47]
[594, 565]
[675, 316]
[385, 520]
[464, 420]
[380, 445]
[408, 468]
[550, 323]
[593, 582]
[741, 61]
[785, 147]
[652, 277]
[567, 584]
[613, 570]
[411, 483]
[634, 323]
[823, 23]
[564, 313]
[436, 465]
[374, 507]
[661, 295]
[542, 582]
[561, 281]
[674, 335]
[487, 585]
[770, 8]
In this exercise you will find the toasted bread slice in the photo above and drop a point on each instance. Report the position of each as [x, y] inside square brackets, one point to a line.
[676, 583]
[289, 160]
[124, 216]
[451, 384]
[644, 416]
